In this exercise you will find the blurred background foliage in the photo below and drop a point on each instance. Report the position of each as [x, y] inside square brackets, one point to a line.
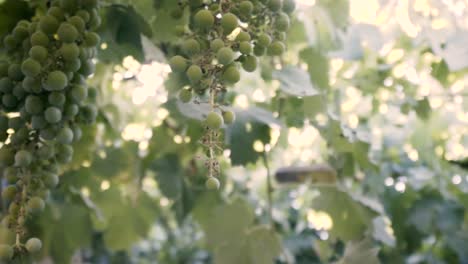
[374, 88]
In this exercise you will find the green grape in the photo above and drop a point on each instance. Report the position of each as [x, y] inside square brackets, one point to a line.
[16, 123]
[246, 7]
[185, 95]
[87, 68]
[249, 63]
[20, 136]
[9, 101]
[15, 73]
[6, 85]
[89, 113]
[214, 120]
[177, 13]
[56, 81]
[67, 32]
[39, 38]
[282, 22]
[6, 252]
[231, 75]
[78, 23]
[79, 93]
[276, 48]
[178, 63]
[245, 47]
[23, 158]
[90, 4]
[243, 36]
[225, 55]
[56, 99]
[92, 39]
[9, 192]
[50, 179]
[281, 36]
[77, 133]
[10, 42]
[30, 67]
[11, 174]
[71, 111]
[65, 135]
[229, 22]
[212, 183]
[53, 115]
[46, 152]
[48, 24]
[69, 51]
[191, 47]
[18, 91]
[194, 73]
[64, 153]
[57, 12]
[216, 44]
[20, 33]
[33, 245]
[31, 85]
[229, 117]
[84, 15]
[38, 122]
[72, 65]
[264, 40]
[69, 6]
[204, 19]
[179, 30]
[36, 204]
[38, 53]
[289, 6]
[275, 5]
[34, 105]
[14, 208]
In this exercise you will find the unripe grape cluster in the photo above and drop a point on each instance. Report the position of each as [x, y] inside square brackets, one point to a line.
[44, 100]
[222, 37]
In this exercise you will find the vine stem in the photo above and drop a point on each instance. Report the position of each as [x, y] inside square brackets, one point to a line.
[269, 190]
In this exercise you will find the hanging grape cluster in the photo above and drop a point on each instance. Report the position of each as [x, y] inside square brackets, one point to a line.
[222, 37]
[44, 98]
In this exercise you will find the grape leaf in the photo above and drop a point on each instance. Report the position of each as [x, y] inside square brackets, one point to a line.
[357, 252]
[318, 67]
[295, 81]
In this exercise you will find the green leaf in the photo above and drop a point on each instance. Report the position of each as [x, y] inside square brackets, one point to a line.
[318, 67]
[263, 245]
[295, 81]
[423, 108]
[164, 25]
[168, 175]
[357, 252]
[338, 11]
[350, 217]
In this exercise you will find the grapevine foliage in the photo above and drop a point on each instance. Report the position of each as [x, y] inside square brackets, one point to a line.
[44, 102]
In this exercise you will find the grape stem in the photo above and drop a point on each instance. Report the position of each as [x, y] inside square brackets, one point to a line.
[269, 190]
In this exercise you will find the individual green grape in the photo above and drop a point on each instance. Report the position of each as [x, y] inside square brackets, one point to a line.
[89, 113]
[57, 12]
[79, 93]
[264, 40]
[229, 117]
[281, 36]
[48, 24]
[204, 19]
[10, 42]
[249, 63]
[9, 192]
[20, 33]
[275, 5]
[231, 75]
[69, 6]
[14, 208]
[194, 73]
[64, 153]
[6, 252]
[19, 92]
[77, 133]
[30, 67]
[289, 6]
[35, 205]
[11, 174]
[212, 183]
[72, 65]
[246, 7]
[69, 51]
[33, 245]
[225, 56]
[39, 38]
[38, 122]
[53, 115]
[15, 73]
[214, 120]
[229, 22]
[276, 48]
[56, 81]
[282, 22]
[6, 85]
[245, 47]
[50, 179]
[65, 135]
[38, 53]
[9, 101]
[32, 85]
[185, 95]
[20, 136]
[78, 23]
[34, 105]
[191, 47]
[72, 110]
[56, 99]
[178, 63]
[243, 36]
[46, 152]
[67, 32]
[92, 39]
[87, 68]
[216, 44]
[23, 158]
[84, 15]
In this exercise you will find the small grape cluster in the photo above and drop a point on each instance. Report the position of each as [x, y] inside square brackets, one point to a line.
[44, 99]
[222, 36]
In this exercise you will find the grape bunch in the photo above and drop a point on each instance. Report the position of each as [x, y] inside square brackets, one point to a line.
[222, 37]
[44, 101]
